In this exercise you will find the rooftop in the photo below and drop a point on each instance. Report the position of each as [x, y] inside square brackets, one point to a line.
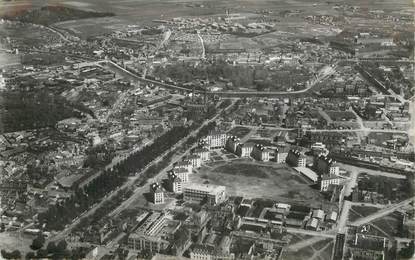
[369, 242]
[206, 188]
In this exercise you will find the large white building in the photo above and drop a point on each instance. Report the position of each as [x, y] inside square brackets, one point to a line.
[154, 234]
[213, 194]
[216, 140]
[182, 174]
[244, 150]
[260, 153]
[203, 153]
[184, 164]
[330, 179]
[195, 160]
[175, 184]
[157, 194]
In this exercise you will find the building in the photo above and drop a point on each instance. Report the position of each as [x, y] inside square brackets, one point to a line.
[260, 153]
[182, 174]
[195, 160]
[307, 172]
[203, 153]
[157, 194]
[185, 164]
[318, 148]
[370, 39]
[312, 224]
[326, 166]
[327, 180]
[154, 234]
[232, 143]
[2, 83]
[296, 159]
[216, 140]
[368, 247]
[281, 154]
[213, 194]
[244, 150]
[174, 183]
[207, 252]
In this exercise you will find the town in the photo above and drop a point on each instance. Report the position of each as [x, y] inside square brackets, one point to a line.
[207, 130]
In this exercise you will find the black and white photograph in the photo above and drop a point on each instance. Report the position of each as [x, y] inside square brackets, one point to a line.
[207, 129]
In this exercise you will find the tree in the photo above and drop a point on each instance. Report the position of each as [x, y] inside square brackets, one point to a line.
[408, 252]
[38, 242]
[61, 247]
[30, 255]
[51, 248]
[11, 255]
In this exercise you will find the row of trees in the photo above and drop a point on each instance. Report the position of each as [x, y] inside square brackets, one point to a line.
[57, 216]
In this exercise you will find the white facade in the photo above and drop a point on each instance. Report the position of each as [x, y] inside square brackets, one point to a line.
[334, 170]
[281, 157]
[182, 174]
[302, 161]
[244, 150]
[325, 182]
[198, 192]
[216, 140]
[195, 160]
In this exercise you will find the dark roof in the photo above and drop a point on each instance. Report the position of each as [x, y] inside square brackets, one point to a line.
[369, 242]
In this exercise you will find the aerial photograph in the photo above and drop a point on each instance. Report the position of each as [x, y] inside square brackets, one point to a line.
[207, 129]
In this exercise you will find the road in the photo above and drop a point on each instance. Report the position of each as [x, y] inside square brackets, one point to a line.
[358, 130]
[203, 56]
[311, 232]
[139, 191]
[129, 183]
[381, 213]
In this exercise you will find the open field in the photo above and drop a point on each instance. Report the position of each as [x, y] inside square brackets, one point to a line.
[321, 250]
[357, 212]
[239, 131]
[254, 180]
[388, 225]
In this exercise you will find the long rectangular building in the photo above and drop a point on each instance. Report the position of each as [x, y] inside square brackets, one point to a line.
[213, 194]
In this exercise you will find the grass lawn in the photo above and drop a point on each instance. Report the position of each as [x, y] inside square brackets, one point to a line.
[243, 169]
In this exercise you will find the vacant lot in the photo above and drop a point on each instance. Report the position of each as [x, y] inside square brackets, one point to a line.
[357, 212]
[319, 251]
[259, 180]
[239, 131]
